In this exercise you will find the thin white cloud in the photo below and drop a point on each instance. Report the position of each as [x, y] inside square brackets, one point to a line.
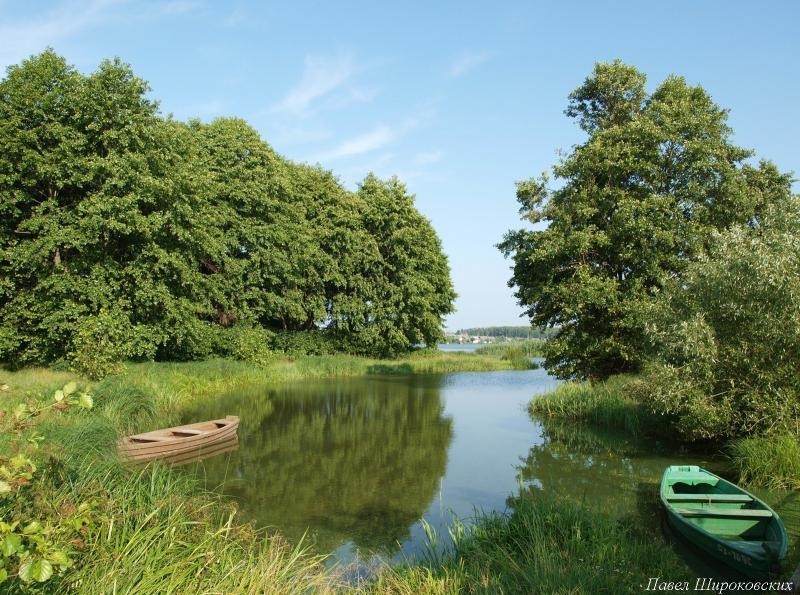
[321, 76]
[23, 38]
[466, 62]
[378, 137]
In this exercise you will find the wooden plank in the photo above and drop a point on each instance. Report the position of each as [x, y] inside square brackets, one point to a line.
[725, 512]
[709, 498]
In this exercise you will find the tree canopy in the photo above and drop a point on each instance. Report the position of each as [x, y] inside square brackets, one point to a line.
[635, 204]
[125, 234]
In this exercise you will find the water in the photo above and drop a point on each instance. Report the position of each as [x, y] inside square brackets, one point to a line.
[460, 346]
[354, 464]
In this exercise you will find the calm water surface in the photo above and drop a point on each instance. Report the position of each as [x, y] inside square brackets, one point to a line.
[356, 463]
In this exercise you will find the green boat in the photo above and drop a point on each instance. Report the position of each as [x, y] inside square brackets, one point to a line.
[723, 520]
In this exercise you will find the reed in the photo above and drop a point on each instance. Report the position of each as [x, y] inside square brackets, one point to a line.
[769, 461]
[608, 404]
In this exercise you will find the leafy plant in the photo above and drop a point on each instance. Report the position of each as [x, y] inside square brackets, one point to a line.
[33, 551]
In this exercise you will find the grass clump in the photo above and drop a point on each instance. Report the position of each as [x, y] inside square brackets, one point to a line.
[610, 404]
[518, 353]
[543, 546]
[769, 461]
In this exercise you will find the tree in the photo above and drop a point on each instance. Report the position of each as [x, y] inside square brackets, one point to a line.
[727, 337]
[167, 240]
[409, 290]
[637, 202]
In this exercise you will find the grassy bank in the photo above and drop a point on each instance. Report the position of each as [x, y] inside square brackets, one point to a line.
[543, 546]
[154, 530]
[608, 404]
[764, 461]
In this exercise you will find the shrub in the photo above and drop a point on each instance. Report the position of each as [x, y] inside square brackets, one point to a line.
[250, 344]
[727, 336]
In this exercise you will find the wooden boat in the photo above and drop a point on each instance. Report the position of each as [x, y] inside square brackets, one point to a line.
[170, 442]
[723, 520]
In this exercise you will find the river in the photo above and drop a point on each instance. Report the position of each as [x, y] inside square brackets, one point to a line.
[355, 464]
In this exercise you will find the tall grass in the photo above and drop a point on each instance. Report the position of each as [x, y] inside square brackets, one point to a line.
[517, 352]
[158, 540]
[543, 546]
[769, 461]
[608, 404]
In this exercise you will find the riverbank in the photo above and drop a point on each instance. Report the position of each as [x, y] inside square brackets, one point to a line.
[154, 530]
[771, 462]
[543, 546]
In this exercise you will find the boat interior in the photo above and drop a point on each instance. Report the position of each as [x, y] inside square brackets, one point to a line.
[719, 507]
[179, 432]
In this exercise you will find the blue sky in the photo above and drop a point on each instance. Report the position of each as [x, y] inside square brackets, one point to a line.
[459, 99]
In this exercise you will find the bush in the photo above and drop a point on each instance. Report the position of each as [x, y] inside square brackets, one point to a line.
[727, 336]
[101, 343]
[250, 344]
[303, 343]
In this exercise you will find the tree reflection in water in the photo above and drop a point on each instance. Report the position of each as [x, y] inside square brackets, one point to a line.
[603, 469]
[355, 460]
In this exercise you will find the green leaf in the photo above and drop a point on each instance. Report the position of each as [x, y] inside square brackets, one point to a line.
[58, 396]
[3, 575]
[86, 401]
[25, 571]
[59, 558]
[32, 528]
[5, 487]
[69, 388]
[39, 571]
[11, 545]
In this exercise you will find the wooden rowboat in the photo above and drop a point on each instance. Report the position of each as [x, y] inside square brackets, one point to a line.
[723, 520]
[171, 442]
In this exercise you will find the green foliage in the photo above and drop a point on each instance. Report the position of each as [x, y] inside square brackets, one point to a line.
[124, 235]
[33, 550]
[248, 344]
[636, 203]
[407, 289]
[100, 343]
[727, 336]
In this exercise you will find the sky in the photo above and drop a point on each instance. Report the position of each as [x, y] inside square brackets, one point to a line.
[458, 99]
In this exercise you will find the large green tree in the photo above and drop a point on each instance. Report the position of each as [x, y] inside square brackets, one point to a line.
[409, 290]
[634, 205]
[124, 234]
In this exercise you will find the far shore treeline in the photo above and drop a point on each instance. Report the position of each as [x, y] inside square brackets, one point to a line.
[128, 235]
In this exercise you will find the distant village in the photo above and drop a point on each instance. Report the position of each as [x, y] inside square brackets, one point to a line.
[496, 334]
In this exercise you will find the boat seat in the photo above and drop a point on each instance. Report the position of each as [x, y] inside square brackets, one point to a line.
[709, 498]
[746, 513]
[188, 431]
